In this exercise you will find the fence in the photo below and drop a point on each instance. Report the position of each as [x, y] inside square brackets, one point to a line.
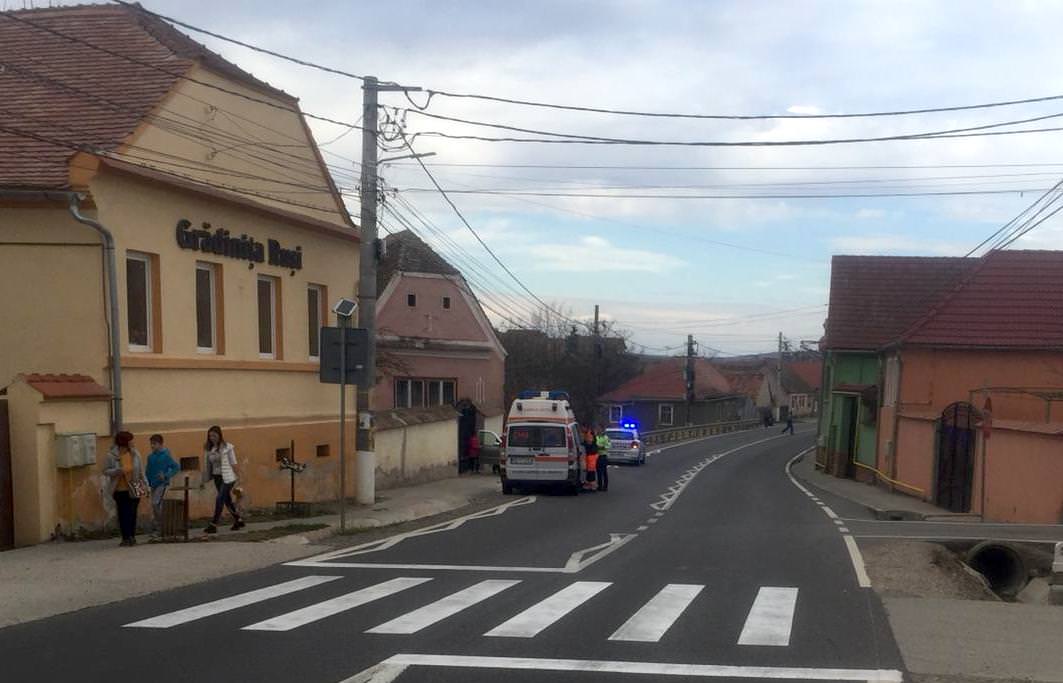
[676, 434]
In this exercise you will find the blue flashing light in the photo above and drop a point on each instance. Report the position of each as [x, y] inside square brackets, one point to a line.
[529, 393]
[559, 395]
[629, 425]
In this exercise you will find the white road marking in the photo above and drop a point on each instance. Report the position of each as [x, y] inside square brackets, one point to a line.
[642, 528]
[839, 522]
[321, 610]
[414, 621]
[843, 529]
[384, 672]
[539, 616]
[858, 562]
[658, 514]
[829, 512]
[643, 668]
[770, 619]
[208, 609]
[654, 618]
[652, 520]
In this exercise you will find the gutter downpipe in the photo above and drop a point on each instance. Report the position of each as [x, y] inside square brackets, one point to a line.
[110, 266]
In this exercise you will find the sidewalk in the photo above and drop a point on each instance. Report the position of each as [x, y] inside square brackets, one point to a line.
[882, 503]
[52, 578]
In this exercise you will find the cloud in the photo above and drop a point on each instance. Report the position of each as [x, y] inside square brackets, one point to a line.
[895, 245]
[870, 214]
[596, 254]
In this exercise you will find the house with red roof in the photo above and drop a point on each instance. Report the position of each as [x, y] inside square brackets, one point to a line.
[657, 397]
[964, 407]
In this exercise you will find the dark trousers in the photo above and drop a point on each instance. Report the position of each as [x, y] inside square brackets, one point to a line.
[788, 428]
[127, 513]
[225, 498]
[603, 472]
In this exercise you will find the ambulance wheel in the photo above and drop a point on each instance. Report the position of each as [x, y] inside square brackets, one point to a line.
[572, 489]
[507, 488]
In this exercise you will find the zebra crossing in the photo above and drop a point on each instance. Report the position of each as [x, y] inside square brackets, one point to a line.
[768, 622]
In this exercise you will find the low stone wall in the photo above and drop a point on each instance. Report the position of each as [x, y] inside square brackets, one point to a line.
[415, 445]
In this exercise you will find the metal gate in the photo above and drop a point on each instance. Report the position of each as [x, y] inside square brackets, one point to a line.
[955, 457]
[7, 500]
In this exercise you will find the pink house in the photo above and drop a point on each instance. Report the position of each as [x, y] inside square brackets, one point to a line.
[436, 346]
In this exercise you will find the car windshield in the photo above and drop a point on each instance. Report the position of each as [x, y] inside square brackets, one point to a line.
[535, 436]
[619, 434]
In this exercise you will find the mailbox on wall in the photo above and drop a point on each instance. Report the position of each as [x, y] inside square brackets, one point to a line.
[75, 450]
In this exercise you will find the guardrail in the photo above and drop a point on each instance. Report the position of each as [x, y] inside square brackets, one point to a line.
[675, 434]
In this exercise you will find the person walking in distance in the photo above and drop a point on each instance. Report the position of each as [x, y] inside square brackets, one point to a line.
[604, 444]
[222, 469]
[474, 452]
[590, 447]
[126, 484]
[161, 469]
[789, 424]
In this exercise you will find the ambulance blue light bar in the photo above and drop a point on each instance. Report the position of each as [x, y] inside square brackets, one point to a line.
[629, 425]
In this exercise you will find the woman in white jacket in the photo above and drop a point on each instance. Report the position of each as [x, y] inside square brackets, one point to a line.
[222, 467]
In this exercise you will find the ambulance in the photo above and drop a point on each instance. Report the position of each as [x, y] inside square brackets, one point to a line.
[541, 443]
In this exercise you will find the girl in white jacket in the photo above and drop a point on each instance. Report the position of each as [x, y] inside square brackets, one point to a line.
[222, 468]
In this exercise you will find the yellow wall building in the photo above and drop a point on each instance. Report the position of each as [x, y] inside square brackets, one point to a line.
[231, 243]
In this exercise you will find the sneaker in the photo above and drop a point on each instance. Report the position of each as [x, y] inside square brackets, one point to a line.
[211, 529]
[125, 543]
[237, 525]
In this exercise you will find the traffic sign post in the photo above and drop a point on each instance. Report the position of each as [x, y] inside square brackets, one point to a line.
[343, 355]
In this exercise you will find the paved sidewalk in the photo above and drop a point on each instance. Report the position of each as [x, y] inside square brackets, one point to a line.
[968, 639]
[52, 578]
[882, 503]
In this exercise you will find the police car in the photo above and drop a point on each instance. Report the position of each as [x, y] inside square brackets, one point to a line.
[625, 444]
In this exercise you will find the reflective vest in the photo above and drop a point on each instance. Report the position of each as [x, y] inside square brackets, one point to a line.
[603, 443]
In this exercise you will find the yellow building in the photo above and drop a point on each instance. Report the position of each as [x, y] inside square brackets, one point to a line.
[230, 242]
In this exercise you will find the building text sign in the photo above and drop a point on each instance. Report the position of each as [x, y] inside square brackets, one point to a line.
[219, 241]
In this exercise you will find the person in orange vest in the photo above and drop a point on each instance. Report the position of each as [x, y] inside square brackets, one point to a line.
[590, 447]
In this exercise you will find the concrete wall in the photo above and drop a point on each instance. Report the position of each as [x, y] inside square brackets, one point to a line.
[418, 452]
[1024, 478]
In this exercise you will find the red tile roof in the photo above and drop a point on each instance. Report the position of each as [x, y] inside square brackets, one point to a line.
[1013, 299]
[744, 381]
[663, 380]
[808, 371]
[874, 299]
[58, 95]
[66, 386]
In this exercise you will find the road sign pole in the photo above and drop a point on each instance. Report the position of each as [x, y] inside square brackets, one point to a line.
[343, 424]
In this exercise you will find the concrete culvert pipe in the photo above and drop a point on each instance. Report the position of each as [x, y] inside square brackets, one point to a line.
[1001, 565]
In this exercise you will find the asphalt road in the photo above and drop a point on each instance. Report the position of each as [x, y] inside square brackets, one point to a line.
[706, 563]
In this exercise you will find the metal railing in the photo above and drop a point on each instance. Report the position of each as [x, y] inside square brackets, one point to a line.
[676, 434]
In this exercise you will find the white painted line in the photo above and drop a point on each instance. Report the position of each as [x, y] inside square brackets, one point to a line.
[843, 529]
[642, 528]
[839, 522]
[658, 514]
[539, 616]
[654, 618]
[653, 520]
[391, 541]
[430, 567]
[645, 668]
[208, 609]
[414, 621]
[829, 512]
[858, 562]
[770, 619]
[321, 610]
[383, 672]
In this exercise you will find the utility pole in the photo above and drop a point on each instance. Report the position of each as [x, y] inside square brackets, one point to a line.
[367, 294]
[688, 376]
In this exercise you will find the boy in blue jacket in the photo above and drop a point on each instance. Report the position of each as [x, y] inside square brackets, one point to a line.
[160, 470]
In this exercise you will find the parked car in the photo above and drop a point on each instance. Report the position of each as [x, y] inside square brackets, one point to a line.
[490, 449]
[625, 445]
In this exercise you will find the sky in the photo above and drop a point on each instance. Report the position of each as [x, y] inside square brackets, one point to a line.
[733, 272]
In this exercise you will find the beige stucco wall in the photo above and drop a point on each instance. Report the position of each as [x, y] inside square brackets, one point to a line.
[216, 142]
[416, 453]
[52, 306]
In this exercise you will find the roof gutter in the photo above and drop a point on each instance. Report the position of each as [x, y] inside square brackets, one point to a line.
[72, 201]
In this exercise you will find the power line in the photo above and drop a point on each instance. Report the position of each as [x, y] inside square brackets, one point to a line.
[554, 137]
[847, 195]
[479, 239]
[1009, 226]
[598, 110]
[585, 167]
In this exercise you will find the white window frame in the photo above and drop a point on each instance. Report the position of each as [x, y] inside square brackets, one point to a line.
[320, 321]
[425, 382]
[149, 298]
[619, 414]
[272, 316]
[660, 415]
[210, 268]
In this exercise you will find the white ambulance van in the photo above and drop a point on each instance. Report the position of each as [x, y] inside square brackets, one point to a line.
[541, 443]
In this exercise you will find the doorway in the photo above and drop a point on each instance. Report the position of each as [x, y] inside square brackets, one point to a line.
[955, 457]
[468, 424]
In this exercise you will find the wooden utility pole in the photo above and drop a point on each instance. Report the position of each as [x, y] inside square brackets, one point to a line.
[688, 377]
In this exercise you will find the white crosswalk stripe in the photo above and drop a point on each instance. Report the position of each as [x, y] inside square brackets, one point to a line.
[654, 618]
[328, 608]
[539, 616]
[771, 618]
[439, 610]
[208, 609]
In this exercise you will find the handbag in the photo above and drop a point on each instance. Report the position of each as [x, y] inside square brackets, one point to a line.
[138, 488]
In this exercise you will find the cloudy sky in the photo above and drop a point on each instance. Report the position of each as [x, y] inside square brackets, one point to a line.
[732, 271]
